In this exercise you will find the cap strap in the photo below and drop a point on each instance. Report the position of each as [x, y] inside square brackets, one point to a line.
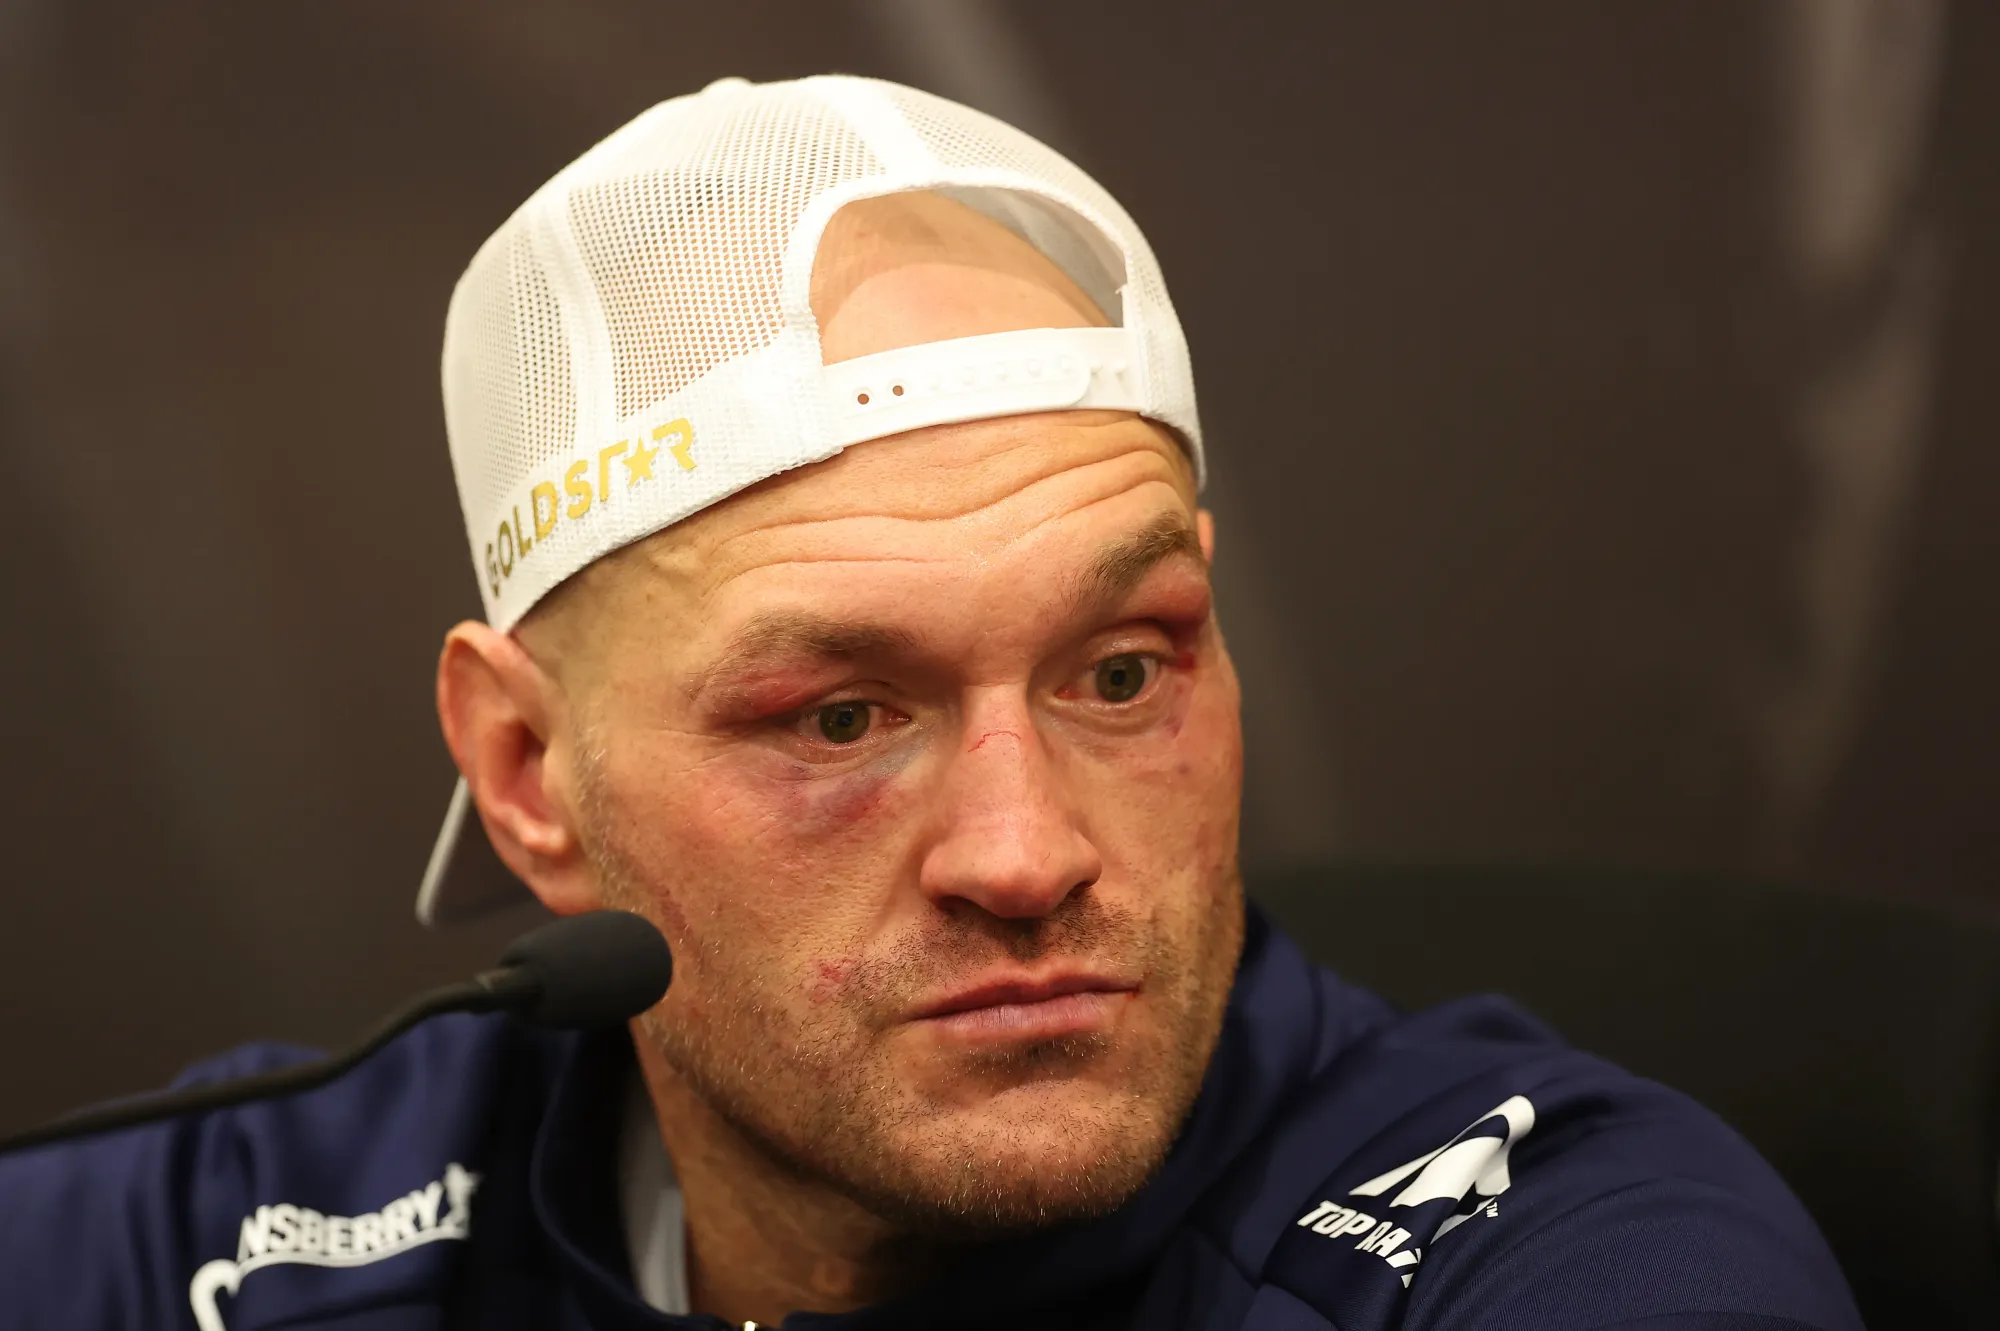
[974, 378]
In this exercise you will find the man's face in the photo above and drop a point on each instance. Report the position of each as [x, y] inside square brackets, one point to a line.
[927, 761]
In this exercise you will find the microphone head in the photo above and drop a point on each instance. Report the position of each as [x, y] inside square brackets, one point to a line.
[595, 969]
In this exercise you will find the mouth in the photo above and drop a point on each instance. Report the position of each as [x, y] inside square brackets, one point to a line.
[1025, 1008]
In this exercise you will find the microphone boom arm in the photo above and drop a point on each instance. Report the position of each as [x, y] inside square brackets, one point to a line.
[598, 968]
[506, 988]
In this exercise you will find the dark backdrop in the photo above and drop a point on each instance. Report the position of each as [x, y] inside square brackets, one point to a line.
[1602, 404]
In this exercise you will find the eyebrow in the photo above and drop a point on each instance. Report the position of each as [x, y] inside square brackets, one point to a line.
[789, 633]
[783, 634]
[1120, 566]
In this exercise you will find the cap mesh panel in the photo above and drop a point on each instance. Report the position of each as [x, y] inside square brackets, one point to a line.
[686, 260]
[510, 405]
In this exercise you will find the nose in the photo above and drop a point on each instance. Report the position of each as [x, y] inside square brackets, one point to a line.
[1009, 839]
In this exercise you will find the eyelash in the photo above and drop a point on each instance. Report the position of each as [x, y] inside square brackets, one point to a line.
[1156, 666]
[801, 722]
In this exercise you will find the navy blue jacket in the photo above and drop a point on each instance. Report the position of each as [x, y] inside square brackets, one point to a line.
[1345, 1166]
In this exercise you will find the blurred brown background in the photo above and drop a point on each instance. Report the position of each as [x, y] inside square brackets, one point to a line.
[1602, 402]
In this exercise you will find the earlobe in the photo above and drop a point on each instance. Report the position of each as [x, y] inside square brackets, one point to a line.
[499, 711]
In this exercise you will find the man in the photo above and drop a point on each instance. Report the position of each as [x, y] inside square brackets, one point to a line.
[829, 460]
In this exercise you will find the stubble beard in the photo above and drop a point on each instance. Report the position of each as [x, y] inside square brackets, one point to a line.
[817, 1099]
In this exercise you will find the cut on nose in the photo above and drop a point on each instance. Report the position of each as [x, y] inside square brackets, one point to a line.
[1009, 841]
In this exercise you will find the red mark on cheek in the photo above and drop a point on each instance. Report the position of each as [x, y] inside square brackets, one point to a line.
[830, 978]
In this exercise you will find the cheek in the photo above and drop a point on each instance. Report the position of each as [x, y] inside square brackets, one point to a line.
[1209, 769]
[1173, 799]
[1195, 754]
[773, 812]
[790, 870]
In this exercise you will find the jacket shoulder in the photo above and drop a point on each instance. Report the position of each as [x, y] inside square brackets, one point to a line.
[117, 1230]
[1463, 1168]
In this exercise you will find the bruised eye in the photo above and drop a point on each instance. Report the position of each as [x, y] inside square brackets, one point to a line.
[1121, 678]
[844, 722]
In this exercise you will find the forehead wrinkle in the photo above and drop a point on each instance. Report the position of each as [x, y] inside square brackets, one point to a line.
[997, 456]
[1117, 567]
[1108, 576]
[974, 511]
[680, 558]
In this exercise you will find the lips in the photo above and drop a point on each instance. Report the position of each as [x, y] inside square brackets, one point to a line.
[1027, 1007]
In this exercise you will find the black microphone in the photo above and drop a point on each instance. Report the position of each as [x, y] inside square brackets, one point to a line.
[596, 969]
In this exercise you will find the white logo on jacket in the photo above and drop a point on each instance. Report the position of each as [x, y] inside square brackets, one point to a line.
[273, 1235]
[1470, 1169]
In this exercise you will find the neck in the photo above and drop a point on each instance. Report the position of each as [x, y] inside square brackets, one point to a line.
[762, 1241]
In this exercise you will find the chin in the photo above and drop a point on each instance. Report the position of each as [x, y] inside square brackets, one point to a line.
[1028, 1158]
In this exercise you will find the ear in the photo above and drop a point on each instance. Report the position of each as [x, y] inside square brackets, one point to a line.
[503, 718]
[1204, 528]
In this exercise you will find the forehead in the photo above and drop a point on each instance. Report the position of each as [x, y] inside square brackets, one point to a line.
[1018, 496]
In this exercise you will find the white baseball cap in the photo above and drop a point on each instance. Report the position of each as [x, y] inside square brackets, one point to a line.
[637, 341]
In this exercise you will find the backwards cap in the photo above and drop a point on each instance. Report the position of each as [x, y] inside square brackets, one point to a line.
[637, 341]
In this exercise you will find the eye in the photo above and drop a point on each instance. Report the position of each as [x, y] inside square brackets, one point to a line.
[1123, 677]
[844, 722]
